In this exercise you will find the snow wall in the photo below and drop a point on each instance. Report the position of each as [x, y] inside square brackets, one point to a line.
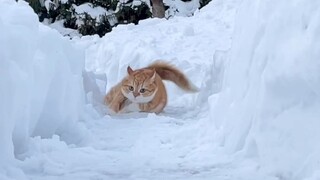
[269, 107]
[41, 88]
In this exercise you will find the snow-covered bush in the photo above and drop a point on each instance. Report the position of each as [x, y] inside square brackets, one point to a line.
[99, 16]
[41, 88]
[90, 17]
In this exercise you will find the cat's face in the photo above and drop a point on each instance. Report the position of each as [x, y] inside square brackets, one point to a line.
[139, 86]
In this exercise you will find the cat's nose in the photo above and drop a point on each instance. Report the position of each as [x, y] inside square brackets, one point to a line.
[135, 94]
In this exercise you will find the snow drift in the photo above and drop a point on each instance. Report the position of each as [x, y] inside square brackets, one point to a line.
[263, 95]
[41, 81]
[269, 104]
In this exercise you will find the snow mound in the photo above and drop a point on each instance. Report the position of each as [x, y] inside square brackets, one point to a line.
[269, 105]
[41, 88]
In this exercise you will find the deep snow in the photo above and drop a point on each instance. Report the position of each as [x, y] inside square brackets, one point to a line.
[41, 71]
[256, 116]
[41, 87]
[271, 88]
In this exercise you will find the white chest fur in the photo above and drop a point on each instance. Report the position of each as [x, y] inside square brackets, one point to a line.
[131, 107]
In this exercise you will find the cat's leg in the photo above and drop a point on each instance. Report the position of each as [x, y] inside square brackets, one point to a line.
[118, 102]
[147, 107]
[153, 106]
[159, 108]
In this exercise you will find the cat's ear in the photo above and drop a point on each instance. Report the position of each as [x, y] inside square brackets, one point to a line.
[154, 75]
[129, 70]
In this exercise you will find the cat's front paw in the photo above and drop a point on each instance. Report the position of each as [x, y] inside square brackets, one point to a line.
[111, 112]
[114, 108]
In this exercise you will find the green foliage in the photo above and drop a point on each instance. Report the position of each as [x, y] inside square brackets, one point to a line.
[124, 13]
[67, 13]
[108, 4]
[133, 14]
[203, 3]
[103, 27]
[36, 6]
[84, 23]
[90, 26]
[38, 9]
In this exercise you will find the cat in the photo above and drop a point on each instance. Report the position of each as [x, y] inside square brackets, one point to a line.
[142, 90]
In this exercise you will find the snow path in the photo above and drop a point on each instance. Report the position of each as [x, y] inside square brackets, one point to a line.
[153, 147]
[145, 146]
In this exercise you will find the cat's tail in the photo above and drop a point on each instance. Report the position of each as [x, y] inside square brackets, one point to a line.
[168, 72]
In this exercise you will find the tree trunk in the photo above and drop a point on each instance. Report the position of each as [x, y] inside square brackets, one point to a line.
[157, 8]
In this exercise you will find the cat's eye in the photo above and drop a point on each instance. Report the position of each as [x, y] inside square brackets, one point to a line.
[131, 88]
[142, 90]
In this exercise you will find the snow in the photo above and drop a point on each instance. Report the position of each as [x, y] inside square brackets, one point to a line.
[256, 115]
[41, 82]
[272, 86]
[58, 25]
[94, 12]
[180, 8]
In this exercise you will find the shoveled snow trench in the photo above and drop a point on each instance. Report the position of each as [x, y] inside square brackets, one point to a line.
[256, 116]
[171, 145]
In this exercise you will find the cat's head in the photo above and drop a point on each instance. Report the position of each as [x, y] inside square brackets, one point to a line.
[140, 85]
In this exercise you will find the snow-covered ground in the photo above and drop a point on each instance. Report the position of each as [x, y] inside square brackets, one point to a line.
[256, 115]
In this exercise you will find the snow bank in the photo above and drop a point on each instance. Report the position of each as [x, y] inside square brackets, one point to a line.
[269, 105]
[41, 87]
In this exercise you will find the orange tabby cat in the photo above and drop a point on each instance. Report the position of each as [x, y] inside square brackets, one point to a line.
[143, 89]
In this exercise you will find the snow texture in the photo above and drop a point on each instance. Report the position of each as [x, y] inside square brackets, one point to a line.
[41, 87]
[269, 103]
[94, 12]
[256, 115]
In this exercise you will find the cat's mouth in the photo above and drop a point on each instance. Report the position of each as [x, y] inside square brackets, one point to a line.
[140, 98]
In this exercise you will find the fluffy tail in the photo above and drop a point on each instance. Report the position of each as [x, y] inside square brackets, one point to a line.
[171, 73]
